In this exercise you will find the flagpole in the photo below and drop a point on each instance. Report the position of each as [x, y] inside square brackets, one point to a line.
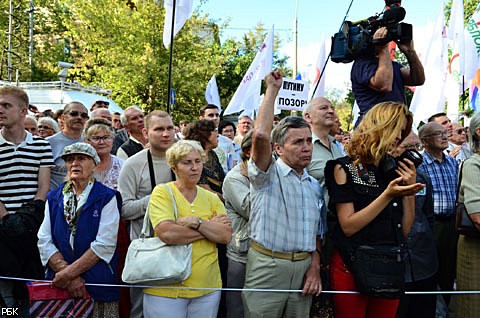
[330, 53]
[295, 44]
[171, 56]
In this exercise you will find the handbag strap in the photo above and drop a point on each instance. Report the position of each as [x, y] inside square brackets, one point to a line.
[150, 169]
[147, 224]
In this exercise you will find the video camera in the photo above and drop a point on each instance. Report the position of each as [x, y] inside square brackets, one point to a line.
[356, 38]
[388, 165]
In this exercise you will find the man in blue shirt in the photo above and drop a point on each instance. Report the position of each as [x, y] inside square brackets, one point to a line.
[442, 170]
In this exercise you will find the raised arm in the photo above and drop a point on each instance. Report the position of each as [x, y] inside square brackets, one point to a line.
[414, 75]
[382, 80]
[261, 148]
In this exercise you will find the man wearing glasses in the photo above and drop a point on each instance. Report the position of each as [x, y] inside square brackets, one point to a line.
[442, 170]
[99, 104]
[457, 143]
[74, 117]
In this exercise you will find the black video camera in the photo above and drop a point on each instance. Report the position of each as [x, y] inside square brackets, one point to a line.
[356, 38]
[389, 164]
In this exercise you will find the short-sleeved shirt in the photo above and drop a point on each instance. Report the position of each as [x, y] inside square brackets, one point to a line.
[287, 210]
[362, 71]
[444, 176]
[205, 269]
[19, 166]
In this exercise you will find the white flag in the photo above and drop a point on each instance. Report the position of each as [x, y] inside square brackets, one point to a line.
[183, 10]
[250, 86]
[321, 61]
[211, 93]
[472, 45]
[456, 35]
[429, 99]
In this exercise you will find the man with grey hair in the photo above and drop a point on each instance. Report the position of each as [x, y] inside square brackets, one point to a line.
[101, 113]
[442, 170]
[287, 209]
[133, 122]
[244, 126]
[320, 115]
[74, 116]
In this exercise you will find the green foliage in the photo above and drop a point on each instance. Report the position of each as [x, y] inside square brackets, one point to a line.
[469, 7]
[118, 45]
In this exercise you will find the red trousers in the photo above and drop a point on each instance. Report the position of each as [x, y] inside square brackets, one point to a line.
[356, 305]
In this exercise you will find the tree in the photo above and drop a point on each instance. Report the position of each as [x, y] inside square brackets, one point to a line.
[123, 51]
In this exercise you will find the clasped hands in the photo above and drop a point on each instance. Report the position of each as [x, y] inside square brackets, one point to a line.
[74, 285]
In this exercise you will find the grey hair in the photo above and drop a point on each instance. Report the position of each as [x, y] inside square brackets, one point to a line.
[123, 117]
[32, 118]
[473, 137]
[279, 132]
[50, 121]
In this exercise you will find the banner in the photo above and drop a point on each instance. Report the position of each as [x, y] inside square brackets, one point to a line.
[472, 45]
[211, 93]
[429, 99]
[183, 10]
[293, 95]
[251, 83]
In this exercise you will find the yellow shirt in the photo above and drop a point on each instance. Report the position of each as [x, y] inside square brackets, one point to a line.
[205, 270]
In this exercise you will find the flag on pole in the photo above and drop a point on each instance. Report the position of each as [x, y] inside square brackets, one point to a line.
[211, 93]
[456, 35]
[472, 45]
[249, 88]
[428, 98]
[321, 60]
[183, 10]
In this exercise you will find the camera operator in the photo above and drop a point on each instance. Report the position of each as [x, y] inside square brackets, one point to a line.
[376, 78]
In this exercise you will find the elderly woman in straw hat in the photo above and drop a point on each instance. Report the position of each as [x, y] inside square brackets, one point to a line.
[78, 236]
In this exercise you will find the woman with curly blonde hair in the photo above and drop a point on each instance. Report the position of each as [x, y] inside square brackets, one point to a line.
[373, 207]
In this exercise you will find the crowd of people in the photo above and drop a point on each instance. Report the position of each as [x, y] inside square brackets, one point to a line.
[266, 204]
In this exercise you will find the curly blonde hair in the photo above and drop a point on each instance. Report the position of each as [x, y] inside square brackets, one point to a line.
[378, 130]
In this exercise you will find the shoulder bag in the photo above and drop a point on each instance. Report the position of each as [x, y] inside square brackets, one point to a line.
[150, 261]
[463, 222]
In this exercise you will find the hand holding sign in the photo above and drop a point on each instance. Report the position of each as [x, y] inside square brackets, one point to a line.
[293, 95]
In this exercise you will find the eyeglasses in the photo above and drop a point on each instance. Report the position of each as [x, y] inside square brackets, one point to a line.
[438, 134]
[101, 102]
[460, 131]
[44, 127]
[417, 146]
[75, 113]
[97, 139]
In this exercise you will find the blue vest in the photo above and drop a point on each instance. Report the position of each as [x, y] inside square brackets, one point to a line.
[87, 229]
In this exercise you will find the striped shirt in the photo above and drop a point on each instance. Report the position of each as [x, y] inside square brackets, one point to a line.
[288, 222]
[444, 180]
[19, 166]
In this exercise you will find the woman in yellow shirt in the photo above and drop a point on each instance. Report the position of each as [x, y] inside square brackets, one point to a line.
[201, 221]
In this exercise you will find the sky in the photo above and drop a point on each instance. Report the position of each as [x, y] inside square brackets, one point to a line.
[316, 18]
